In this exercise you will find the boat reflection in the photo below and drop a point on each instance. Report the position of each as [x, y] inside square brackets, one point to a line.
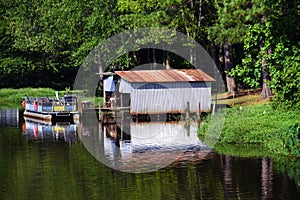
[43, 131]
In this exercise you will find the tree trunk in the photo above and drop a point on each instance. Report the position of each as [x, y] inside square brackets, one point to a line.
[266, 91]
[168, 65]
[228, 66]
[193, 60]
[100, 63]
[213, 53]
[154, 62]
[220, 62]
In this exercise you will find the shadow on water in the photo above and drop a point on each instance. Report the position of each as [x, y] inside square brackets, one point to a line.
[40, 160]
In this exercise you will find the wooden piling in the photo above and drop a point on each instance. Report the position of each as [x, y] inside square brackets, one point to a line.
[100, 114]
[214, 107]
[188, 127]
[199, 111]
[187, 114]
[80, 105]
[122, 129]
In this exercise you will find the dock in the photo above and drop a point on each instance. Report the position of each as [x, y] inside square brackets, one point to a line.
[105, 114]
[114, 114]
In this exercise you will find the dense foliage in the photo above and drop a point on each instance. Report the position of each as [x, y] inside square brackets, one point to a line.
[43, 43]
[291, 140]
[275, 42]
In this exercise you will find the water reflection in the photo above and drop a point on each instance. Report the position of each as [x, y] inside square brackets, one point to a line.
[148, 146]
[9, 117]
[33, 170]
[43, 131]
[153, 136]
[266, 178]
[130, 146]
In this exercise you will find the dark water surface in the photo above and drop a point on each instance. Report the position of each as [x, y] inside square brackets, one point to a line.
[50, 162]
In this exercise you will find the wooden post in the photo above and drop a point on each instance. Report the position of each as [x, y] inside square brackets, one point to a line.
[214, 107]
[199, 118]
[104, 95]
[121, 106]
[188, 127]
[122, 115]
[122, 129]
[187, 114]
[116, 116]
[79, 106]
[100, 130]
[100, 112]
[121, 100]
[199, 111]
[105, 117]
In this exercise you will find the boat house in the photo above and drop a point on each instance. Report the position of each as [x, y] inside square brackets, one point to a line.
[161, 91]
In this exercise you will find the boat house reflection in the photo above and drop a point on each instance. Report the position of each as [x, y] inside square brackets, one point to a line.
[141, 144]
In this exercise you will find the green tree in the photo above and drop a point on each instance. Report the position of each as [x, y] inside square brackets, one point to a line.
[45, 42]
[230, 27]
[274, 44]
[189, 17]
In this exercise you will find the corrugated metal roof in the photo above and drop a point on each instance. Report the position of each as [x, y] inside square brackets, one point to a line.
[160, 76]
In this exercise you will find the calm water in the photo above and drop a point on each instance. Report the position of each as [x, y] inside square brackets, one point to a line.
[39, 161]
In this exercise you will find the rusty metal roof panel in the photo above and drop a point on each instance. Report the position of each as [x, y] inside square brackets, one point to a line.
[160, 76]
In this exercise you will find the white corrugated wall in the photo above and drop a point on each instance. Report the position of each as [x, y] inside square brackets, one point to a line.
[169, 100]
[167, 97]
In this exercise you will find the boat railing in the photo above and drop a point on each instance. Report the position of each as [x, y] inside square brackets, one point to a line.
[45, 104]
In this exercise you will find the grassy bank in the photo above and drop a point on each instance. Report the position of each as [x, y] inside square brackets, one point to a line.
[14, 97]
[258, 125]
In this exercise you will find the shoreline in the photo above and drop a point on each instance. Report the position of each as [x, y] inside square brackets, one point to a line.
[249, 120]
[259, 125]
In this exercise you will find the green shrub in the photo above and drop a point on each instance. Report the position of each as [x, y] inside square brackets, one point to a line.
[291, 140]
[285, 73]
